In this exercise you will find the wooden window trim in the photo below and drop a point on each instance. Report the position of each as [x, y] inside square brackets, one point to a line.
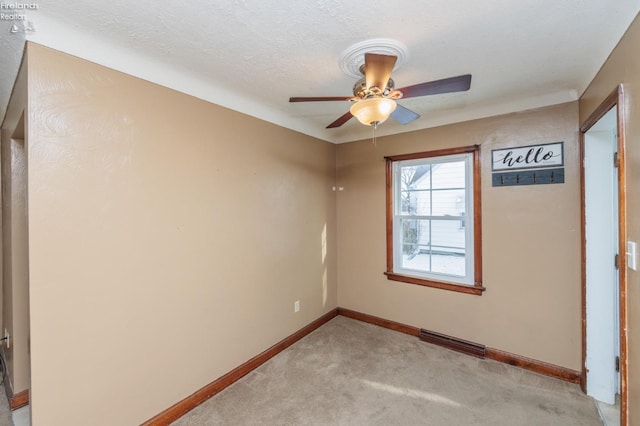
[477, 287]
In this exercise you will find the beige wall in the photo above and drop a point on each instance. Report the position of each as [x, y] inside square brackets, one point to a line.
[531, 242]
[169, 239]
[623, 67]
[15, 265]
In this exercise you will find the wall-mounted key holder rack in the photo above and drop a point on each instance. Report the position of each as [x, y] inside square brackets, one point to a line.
[529, 177]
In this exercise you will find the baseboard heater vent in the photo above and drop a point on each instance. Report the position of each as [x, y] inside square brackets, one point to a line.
[459, 345]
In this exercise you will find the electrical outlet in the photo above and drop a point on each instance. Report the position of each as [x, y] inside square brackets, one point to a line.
[6, 337]
[296, 306]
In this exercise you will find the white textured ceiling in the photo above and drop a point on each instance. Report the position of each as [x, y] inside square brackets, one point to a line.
[252, 55]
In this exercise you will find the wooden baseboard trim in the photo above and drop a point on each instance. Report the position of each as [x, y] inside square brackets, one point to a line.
[19, 400]
[449, 342]
[453, 343]
[392, 325]
[179, 409]
[536, 366]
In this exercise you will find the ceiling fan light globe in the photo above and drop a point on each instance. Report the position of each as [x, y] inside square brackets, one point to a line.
[373, 110]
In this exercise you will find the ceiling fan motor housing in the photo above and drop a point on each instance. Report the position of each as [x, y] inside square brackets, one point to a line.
[360, 89]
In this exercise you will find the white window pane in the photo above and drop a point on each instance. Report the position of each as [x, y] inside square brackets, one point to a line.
[448, 248]
[415, 236]
[415, 202]
[435, 263]
[421, 202]
[448, 233]
[448, 202]
[449, 263]
[433, 246]
[419, 262]
[449, 175]
[415, 177]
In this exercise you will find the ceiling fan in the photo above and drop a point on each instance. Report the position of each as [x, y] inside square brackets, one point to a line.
[374, 95]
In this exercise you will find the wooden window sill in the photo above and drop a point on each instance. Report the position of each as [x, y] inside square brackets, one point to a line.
[476, 289]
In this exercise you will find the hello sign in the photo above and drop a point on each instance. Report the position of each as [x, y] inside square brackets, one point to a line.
[528, 157]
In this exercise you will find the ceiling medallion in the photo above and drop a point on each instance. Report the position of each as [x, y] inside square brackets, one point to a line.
[353, 57]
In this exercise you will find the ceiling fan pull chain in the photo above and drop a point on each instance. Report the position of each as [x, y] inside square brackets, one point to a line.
[375, 126]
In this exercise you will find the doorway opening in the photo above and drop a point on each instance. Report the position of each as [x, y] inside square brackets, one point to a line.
[604, 262]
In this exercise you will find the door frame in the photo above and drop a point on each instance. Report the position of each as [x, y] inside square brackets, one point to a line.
[616, 98]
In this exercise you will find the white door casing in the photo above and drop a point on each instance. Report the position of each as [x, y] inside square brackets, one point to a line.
[601, 237]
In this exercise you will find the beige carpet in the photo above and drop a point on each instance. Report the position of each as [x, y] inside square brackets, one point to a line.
[353, 373]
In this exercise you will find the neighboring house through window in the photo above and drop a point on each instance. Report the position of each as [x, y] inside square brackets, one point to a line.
[433, 219]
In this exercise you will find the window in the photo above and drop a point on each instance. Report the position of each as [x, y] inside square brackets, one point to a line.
[433, 219]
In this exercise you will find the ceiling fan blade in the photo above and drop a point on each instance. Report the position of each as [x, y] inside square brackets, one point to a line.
[377, 69]
[340, 121]
[403, 115]
[320, 98]
[446, 85]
